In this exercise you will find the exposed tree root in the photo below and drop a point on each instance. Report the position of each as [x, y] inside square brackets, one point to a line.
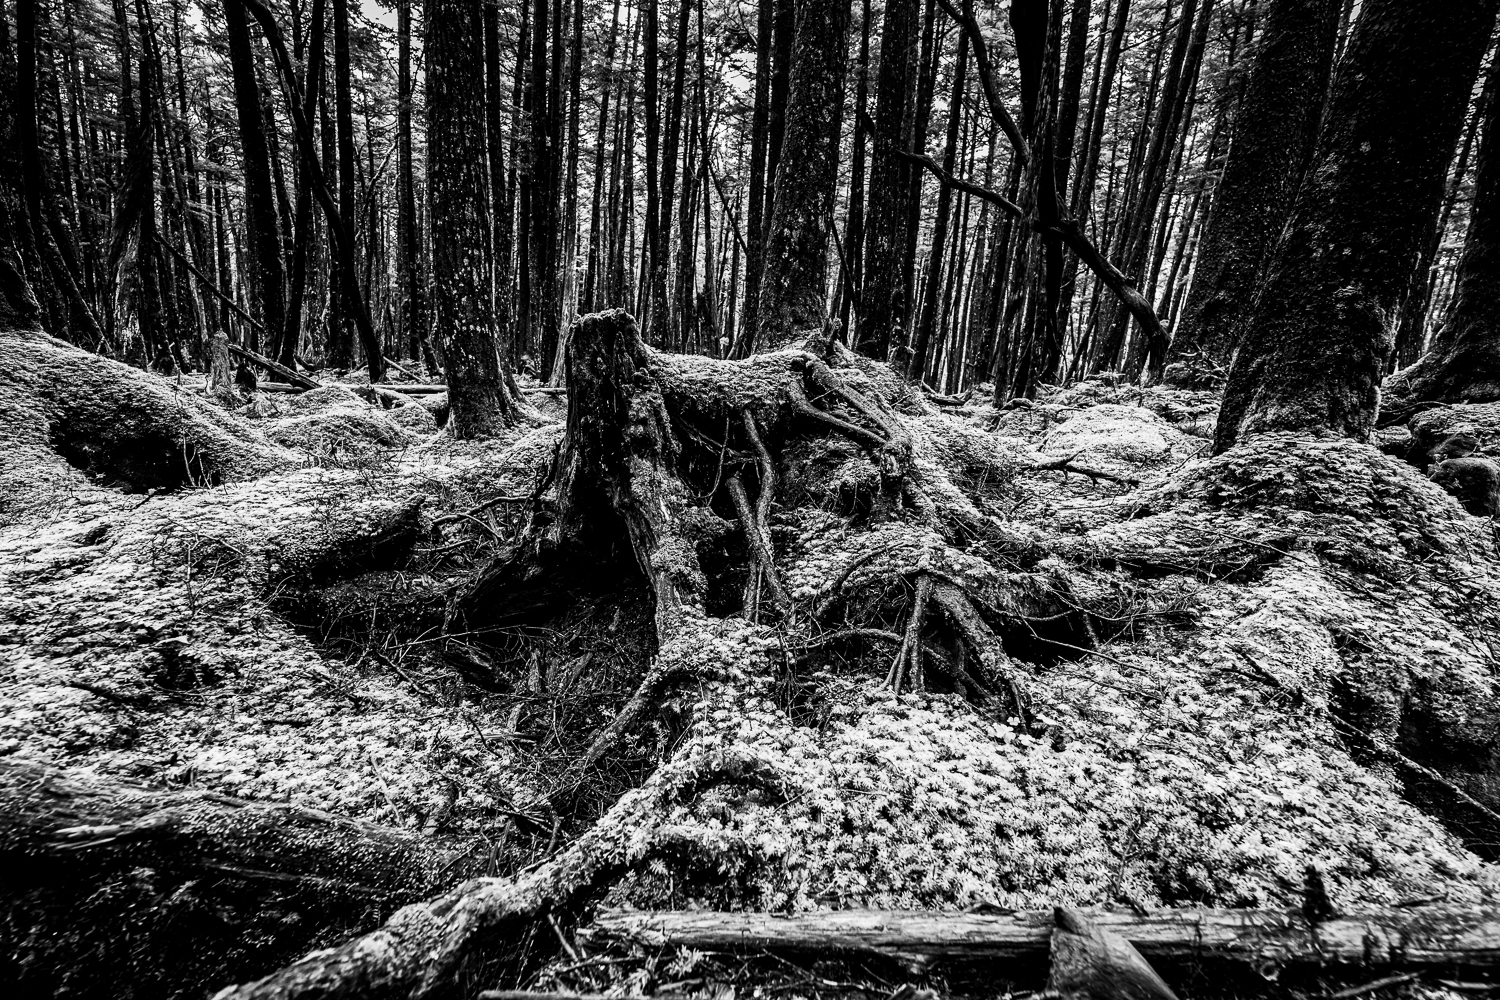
[906, 670]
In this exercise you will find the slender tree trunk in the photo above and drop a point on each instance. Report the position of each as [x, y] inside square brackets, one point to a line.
[341, 354]
[460, 212]
[1135, 243]
[917, 363]
[1318, 338]
[409, 242]
[759, 139]
[594, 268]
[854, 229]
[660, 329]
[1273, 139]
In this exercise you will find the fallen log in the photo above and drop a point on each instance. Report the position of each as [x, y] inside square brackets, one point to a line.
[411, 389]
[1394, 938]
[295, 378]
[235, 888]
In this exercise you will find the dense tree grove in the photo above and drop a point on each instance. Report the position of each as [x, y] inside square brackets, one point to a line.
[729, 172]
[592, 495]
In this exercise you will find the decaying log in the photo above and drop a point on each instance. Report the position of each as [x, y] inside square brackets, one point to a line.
[1091, 963]
[74, 819]
[81, 857]
[1415, 937]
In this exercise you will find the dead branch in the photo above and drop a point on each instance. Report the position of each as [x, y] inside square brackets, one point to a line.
[1068, 465]
[294, 378]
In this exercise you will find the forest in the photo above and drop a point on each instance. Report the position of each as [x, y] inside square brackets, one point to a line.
[687, 499]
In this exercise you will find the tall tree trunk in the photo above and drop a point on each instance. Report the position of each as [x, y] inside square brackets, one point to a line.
[266, 276]
[341, 354]
[759, 135]
[597, 253]
[1135, 243]
[854, 229]
[660, 328]
[917, 363]
[460, 214]
[1464, 366]
[794, 285]
[885, 235]
[1318, 338]
[292, 330]
[409, 234]
[1273, 138]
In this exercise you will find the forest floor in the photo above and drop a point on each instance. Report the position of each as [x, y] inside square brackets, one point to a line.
[1233, 668]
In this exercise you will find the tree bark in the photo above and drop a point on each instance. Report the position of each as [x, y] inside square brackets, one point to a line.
[1273, 138]
[266, 276]
[205, 863]
[1319, 334]
[927, 322]
[1260, 940]
[408, 262]
[885, 230]
[1464, 366]
[759, 133]
[793, 287]
[459, 207]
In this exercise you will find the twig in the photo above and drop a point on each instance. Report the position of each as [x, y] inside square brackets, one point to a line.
[1378, 984]
[480, 509]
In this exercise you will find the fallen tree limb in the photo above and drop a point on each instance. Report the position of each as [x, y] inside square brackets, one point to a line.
[1417, 937]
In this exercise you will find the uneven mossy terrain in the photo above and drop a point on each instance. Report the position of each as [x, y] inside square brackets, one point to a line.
[1188, 678]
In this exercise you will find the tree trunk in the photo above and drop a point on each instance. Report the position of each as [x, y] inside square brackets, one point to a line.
[1465, 364]
[793, 287]
[854, 228]
[659, 329]
[409, 236]
[313, 81]
[1274, 134]
[759, 135]
[223, 876]
[266, 277]
[927, 321]
[341, 354]
[1318, 338]
[885, 235]
[459, 206]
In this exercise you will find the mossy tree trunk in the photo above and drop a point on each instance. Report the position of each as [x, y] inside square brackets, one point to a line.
[1319, 337]
[1274, 134]
[793, 285]
[1464, 366]
[459, 200]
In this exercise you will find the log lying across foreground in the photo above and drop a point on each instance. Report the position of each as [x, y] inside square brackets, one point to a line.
[187, 889]
[1435, 936]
